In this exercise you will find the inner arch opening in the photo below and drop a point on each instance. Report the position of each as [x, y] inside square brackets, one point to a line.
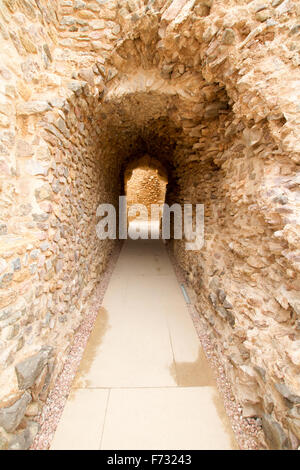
[145, 189]
[198, 93]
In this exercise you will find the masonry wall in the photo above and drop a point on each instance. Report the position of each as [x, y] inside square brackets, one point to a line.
[211, 90]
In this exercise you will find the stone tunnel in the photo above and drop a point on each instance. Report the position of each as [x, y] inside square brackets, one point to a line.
[209, 91]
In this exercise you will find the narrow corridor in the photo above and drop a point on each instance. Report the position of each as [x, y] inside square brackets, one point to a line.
[144, 382]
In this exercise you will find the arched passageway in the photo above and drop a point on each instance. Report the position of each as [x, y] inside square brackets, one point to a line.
[145, 183]
[202, 87]
[144, 381]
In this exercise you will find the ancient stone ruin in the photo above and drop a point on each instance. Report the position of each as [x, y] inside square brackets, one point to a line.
[209, 89]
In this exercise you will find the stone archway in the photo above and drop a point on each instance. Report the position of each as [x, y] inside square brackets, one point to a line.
[206, 87]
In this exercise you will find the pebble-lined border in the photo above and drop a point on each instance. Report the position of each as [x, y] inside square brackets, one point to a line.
[248, 431]
[51, 413]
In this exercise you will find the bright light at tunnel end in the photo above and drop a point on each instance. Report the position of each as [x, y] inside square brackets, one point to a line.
[178, 222]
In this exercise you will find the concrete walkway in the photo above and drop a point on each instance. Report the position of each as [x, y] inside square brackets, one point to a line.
[144, 382]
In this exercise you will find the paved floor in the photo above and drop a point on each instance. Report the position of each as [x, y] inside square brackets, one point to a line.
[144, 382]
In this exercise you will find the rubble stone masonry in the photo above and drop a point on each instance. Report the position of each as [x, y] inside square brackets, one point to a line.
[211, 90]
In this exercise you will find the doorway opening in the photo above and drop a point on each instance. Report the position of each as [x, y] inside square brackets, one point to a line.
[145, 188]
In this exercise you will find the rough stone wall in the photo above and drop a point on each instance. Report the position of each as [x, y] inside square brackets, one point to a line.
[211, 90]
[145, 188]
